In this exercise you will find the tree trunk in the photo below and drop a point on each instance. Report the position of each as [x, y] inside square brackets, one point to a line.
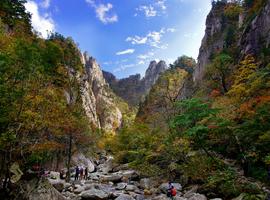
[69, 157]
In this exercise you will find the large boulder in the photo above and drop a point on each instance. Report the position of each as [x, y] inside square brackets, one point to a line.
[37, 189]
[107, 166]
[115, 178]
[80, 160]
[129, 174]
[94, 194]
[125, 197]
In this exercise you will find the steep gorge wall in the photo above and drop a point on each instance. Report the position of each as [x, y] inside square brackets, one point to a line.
[252, 37]
[99, 102]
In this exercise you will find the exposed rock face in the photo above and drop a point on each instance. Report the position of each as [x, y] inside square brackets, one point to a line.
[152, 73]
[133, 88]
[257, 34]
[98, 100]
[209, 46]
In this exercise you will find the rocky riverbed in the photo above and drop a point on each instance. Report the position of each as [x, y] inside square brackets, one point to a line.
[108, 181]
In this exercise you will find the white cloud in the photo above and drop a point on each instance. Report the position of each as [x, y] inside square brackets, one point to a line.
[127, 51]
[43, 24]
[149, 11]
[152, 10]
[103, 12]
[153, 38]
[137, 40]
[45, 3]
[141, 62]
[161, 4]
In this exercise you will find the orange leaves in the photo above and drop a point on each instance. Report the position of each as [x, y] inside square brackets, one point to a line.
[249, 108]
[215, 93]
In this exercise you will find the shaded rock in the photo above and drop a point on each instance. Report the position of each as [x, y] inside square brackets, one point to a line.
[57, 184]
[140, 197]
[94, 194]
[130, 174]
[37, 190]
[124, 197]
[121, 167]
[191, 191]
[197, 196]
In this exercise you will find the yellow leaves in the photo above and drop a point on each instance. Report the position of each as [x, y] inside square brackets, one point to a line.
[241, 88]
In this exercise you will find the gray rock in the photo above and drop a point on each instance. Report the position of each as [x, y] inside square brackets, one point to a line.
[191, 191]
[197, 196]
[216, 199]
[107, 166]
[145, 183]
[130, 174]
[121, 167]
[124, 197]
[70, 196]
[78, 189]
[140, 197]
[94, 194]
[131, 188]
[112, 178]
[42, 190]
[160, 197]
[121, 186]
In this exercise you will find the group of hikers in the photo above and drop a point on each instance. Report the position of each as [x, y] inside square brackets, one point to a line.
[81, 173]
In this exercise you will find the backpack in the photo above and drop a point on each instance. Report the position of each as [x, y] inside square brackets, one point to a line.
[173, 191]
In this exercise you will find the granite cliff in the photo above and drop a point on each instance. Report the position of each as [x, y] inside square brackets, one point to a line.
[99, 102]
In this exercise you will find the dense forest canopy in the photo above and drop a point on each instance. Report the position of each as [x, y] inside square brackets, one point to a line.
[205, 132]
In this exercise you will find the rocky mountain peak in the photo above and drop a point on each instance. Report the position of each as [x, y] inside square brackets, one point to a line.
[152, 73]
[133, 88]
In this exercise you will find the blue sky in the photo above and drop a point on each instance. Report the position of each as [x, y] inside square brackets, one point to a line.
[125, 35]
